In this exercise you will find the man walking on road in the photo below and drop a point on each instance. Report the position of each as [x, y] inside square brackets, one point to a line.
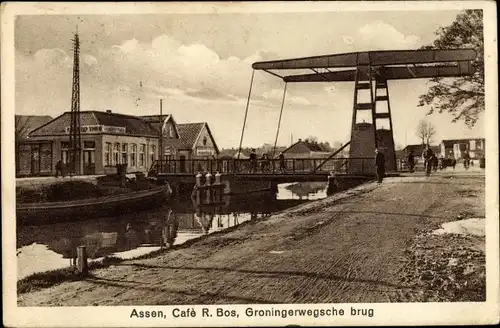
[380, 165]
[411, 161]
[428, 156]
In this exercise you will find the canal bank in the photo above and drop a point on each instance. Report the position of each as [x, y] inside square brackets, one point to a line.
[355, 246]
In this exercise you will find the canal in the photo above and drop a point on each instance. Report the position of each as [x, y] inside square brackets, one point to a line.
[52, 246]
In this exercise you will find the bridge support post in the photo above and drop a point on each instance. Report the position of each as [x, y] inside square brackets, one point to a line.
[333, 185]
[218, 188]
[82, 265]
[208, 190]
[197, 188]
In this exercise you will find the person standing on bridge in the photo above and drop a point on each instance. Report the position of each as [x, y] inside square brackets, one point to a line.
[380, 165]
[253, 162]
[282, 162]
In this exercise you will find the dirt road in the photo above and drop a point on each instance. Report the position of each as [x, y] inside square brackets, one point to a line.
[353, 247]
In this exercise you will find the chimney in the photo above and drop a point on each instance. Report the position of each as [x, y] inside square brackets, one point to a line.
[108, 111]
[300, 139]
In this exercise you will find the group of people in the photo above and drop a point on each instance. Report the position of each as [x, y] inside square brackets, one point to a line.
[265, 163]
[433, 162]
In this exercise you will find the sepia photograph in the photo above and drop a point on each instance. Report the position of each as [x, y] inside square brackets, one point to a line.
[234, 164]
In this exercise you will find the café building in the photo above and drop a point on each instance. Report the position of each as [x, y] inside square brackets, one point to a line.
[107, 139]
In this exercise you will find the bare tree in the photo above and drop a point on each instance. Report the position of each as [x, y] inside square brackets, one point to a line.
[425, 131]
[21, 131]
[21, 127]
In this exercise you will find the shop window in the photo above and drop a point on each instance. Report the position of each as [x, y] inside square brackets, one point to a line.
[124, 153]
[107, 154]
[472, 145]
[133, 155]
[64, 151]
[89, 144]
[116, 152]
[152, 153]
[142, 155]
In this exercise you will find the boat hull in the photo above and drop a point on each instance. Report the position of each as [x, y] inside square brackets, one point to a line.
[91, 208]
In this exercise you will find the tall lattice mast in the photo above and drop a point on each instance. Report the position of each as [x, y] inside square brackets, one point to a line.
[74, 130]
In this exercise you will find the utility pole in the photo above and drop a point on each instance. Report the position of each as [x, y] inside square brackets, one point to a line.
[74, 130]
[161, 151]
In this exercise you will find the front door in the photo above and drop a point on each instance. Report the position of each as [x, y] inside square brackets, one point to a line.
[182, 163]
[35, 159]
[88, 162]
[169, 164]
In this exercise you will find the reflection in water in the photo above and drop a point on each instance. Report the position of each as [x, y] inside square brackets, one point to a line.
[53, 246]
[302, 190]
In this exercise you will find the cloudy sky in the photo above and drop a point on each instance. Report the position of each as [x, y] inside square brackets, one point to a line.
[200, 65]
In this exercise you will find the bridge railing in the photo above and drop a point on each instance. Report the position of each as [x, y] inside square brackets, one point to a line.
[263, 166]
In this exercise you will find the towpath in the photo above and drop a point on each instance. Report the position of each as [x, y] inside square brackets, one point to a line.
[352, 247]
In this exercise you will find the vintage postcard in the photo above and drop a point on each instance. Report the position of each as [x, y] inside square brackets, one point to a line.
[249, 164]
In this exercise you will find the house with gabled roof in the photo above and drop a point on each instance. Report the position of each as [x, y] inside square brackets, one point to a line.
[198, 139]
[304, 149]
[303, 155]
[196, 145]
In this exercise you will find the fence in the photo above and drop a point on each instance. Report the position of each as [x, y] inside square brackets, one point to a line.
[270, 166]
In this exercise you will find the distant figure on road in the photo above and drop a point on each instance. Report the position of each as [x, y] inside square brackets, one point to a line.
[59, 168]
[466, 160]
[434, 162]
[253, 162]
[411, 161]
[282, 162]
[482, 162]
[380, 165]
[453, 163]
[441, 163]
[428, 155]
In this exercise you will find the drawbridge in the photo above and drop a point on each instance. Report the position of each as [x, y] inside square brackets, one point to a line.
[370, 71]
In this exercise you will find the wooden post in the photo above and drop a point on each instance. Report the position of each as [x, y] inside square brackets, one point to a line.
[82, 263]
[208, 184]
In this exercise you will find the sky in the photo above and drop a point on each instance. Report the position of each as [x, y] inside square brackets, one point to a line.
[200, 65]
